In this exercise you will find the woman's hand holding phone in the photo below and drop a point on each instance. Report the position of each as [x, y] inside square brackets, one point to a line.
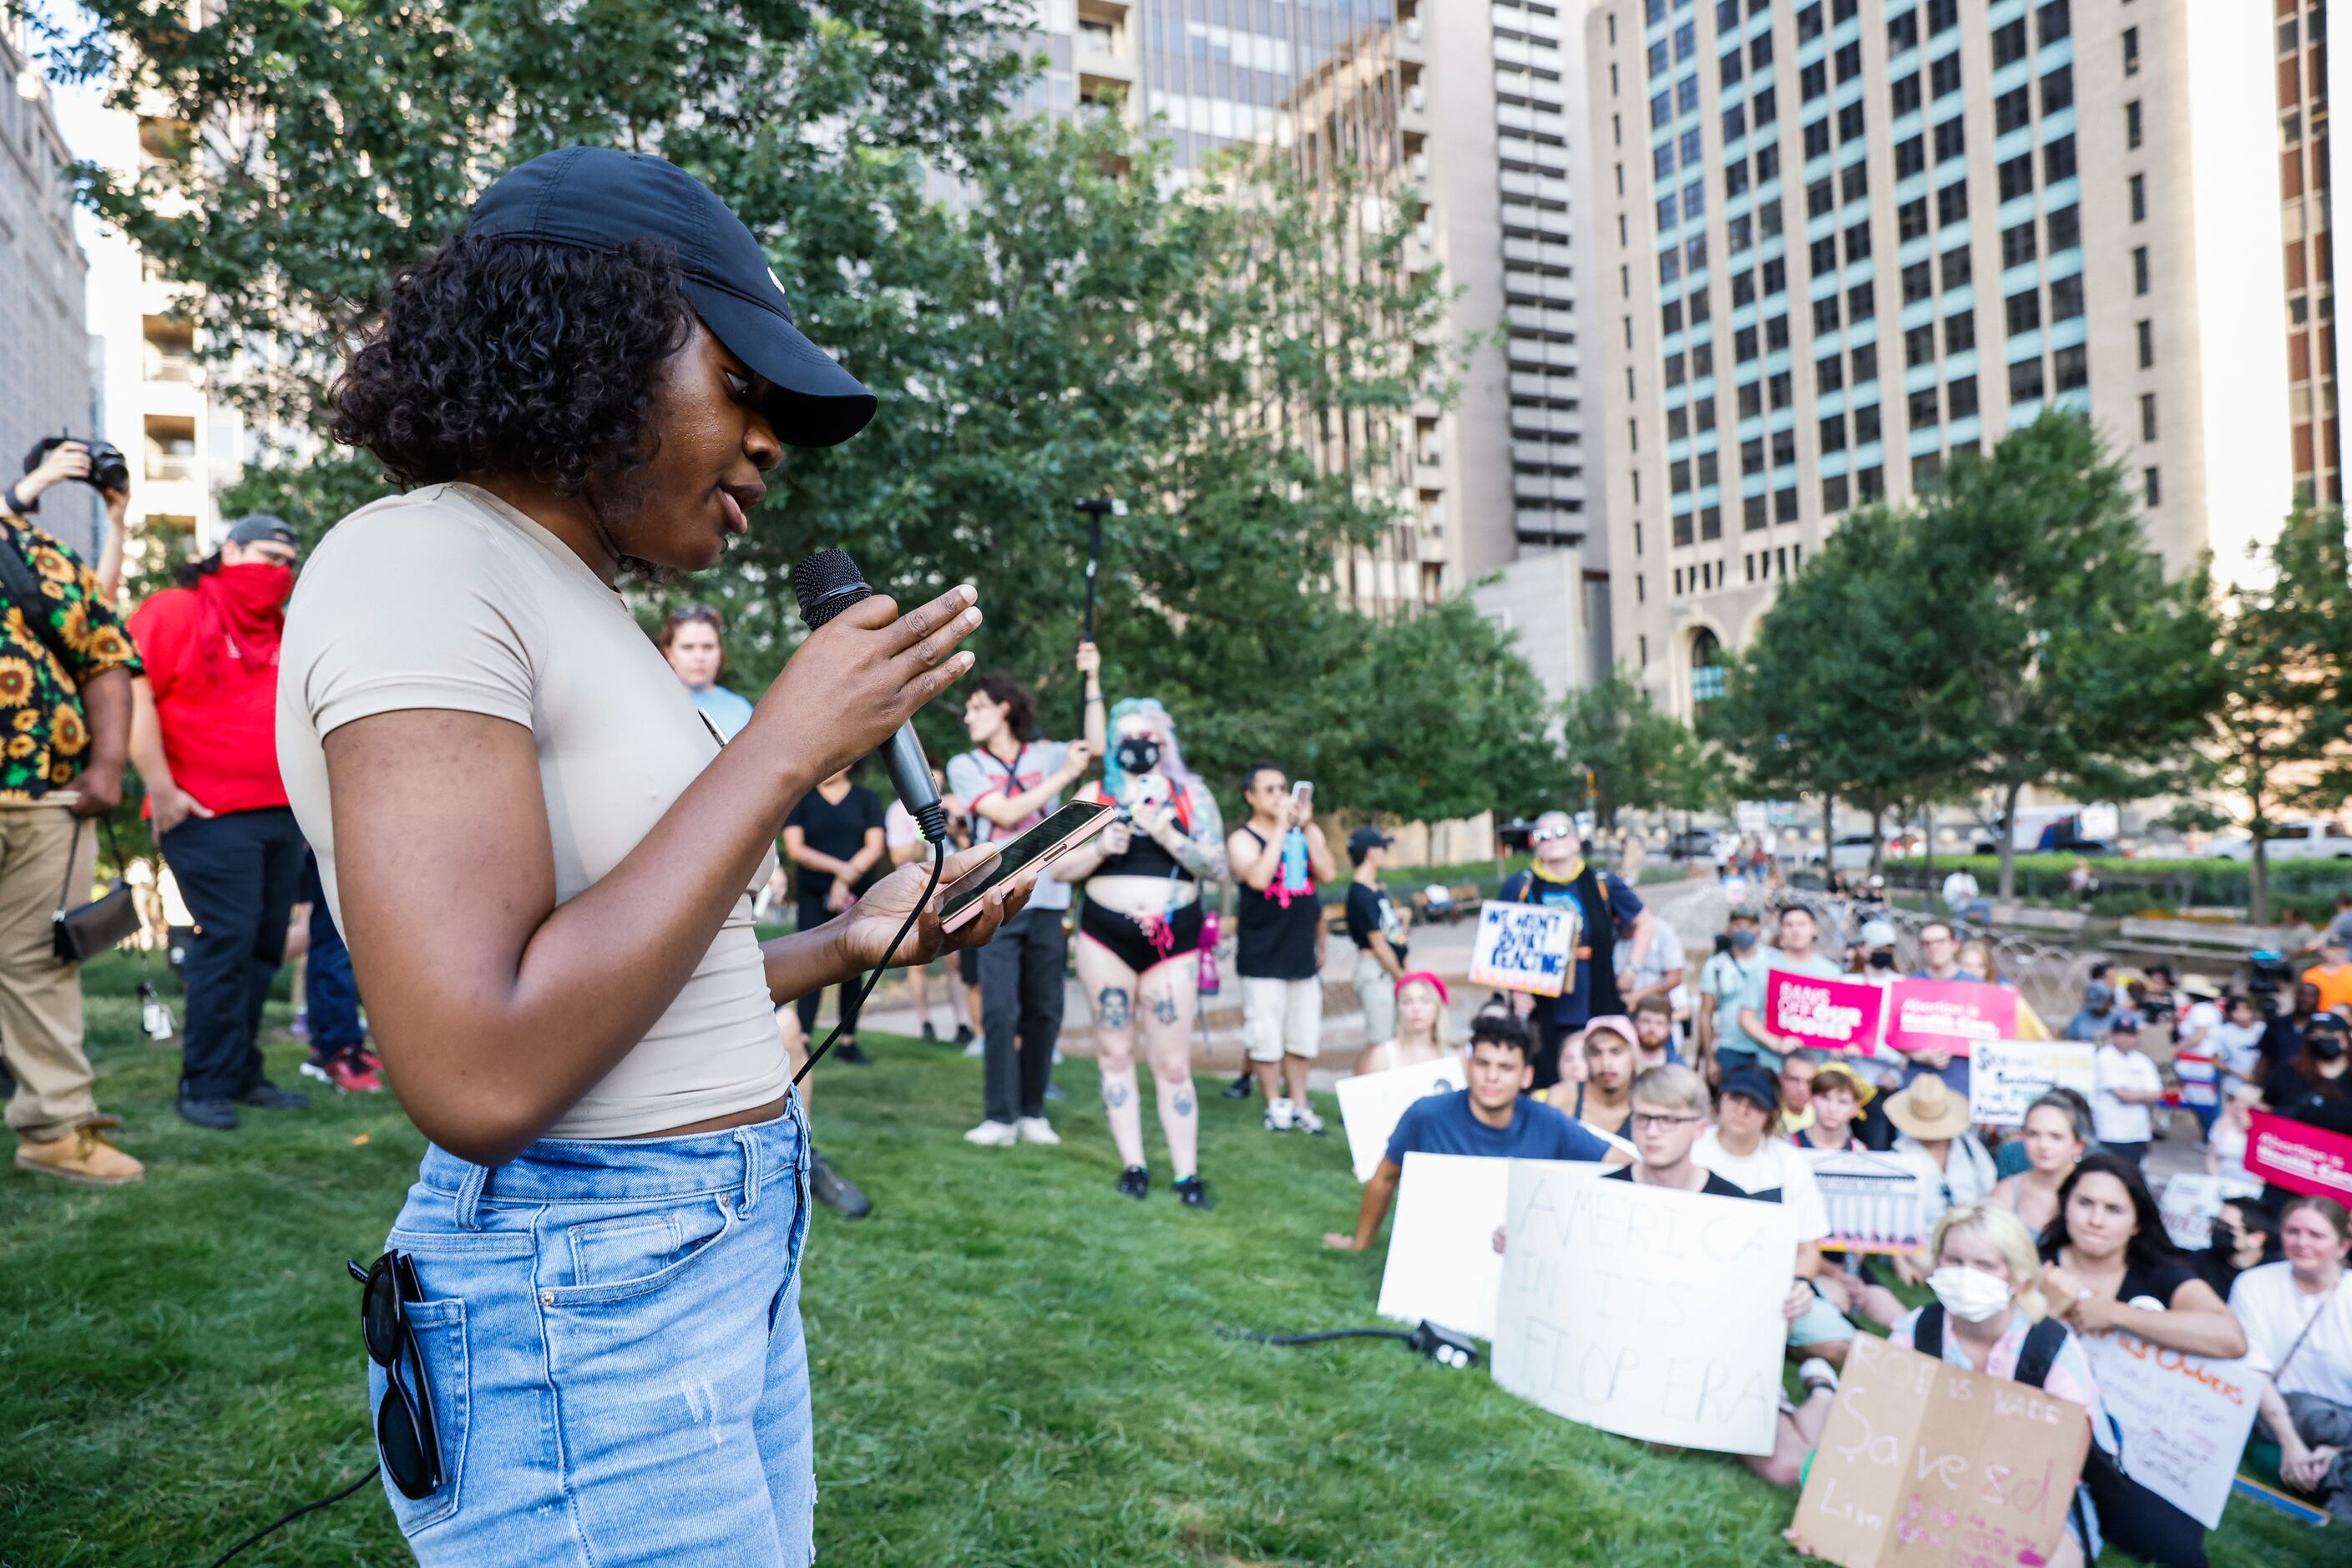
[866, 931]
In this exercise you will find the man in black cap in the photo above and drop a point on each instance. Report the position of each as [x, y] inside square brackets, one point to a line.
[1376, 924]
[542, 861]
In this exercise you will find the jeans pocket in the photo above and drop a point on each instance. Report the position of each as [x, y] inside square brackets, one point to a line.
[441, 1345]
[625, 1256]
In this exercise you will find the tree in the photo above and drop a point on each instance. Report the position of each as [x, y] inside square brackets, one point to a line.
[1639, 757]
[2061, 655]
[2281, 737]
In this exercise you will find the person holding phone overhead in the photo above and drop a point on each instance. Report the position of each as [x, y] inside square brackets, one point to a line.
[596, 1277]
[1280, 858]
[1011, 781]
[1140, 936]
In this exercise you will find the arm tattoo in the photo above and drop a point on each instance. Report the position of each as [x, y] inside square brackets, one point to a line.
[1203, 852]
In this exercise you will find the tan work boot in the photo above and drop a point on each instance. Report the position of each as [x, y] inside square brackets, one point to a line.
[82, 1156]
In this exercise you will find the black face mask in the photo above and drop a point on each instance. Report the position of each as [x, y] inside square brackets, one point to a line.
[1882, 960]
[2327, 1045]
[1138, 754]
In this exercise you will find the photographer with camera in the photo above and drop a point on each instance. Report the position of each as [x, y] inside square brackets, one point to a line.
[98, 464]
[65, 669]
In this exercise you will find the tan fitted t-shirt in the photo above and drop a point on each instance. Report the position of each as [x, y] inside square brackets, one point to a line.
[447, 597]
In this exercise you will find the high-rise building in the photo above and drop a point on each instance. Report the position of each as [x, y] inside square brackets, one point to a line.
[1843, 240]
[45, 362]
[2306, 190]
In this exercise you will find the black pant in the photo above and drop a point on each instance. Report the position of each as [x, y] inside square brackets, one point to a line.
[1021, 990]
[239, 872]
[1550, 1038]
[813, 914]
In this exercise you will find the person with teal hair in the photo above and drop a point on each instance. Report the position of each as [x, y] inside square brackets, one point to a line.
[1140, 936]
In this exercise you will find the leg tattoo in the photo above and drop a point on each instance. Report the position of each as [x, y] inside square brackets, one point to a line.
[1184, 1103]
[1113, 1004]
[1115, 1095]
[1163, 1007]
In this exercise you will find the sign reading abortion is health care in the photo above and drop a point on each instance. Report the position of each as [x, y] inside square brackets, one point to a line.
[2300, 1158]
[1950, 1015]
[1524, 947]
[1650, 1313]
[1830, 1015]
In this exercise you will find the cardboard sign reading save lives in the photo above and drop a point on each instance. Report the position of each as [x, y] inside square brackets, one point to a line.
[1922, 1463]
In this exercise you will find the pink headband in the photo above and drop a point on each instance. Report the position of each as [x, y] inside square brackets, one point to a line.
[1409, 976]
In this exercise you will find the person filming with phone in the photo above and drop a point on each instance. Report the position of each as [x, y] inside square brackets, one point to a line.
[585, 1331]
[1279, 858]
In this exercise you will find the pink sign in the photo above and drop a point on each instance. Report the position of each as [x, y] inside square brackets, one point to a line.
[1950, 1015]
[1830, 1014]
[2300, 1158]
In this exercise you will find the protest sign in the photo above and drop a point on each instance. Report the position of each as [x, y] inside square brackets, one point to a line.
[1923, 1464]
[1950, 1015]
[1874, 1201]
[1650, 1313]
[2007, 1075]
[1442, 1263]
[1524, 947]
[2299, 1157]
[1372, 1103]
[2190, 1204]
[2184, 1417]
[1833, 1014]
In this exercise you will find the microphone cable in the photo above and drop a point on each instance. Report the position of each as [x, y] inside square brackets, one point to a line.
[938, 863]
[370, 1474]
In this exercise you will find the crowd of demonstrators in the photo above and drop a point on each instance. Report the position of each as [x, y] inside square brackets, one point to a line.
[834, 838]
[67, 668]
[1421, 1035]
[1278, 858]
[1793, 952]
[1140, 938]
[1606, 910]
[2298, 1325]
[1009, 780]
[1380, 927]
[1495, 1117]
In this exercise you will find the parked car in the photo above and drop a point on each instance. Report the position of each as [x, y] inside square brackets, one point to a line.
[2313, 840]
[2088, 848]
[1692, 844]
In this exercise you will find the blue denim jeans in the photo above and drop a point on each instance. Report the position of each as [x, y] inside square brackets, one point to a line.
[612, 1335]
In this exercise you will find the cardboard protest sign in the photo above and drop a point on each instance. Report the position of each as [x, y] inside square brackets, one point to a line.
[1950, 1015]
[1649, 1313]
[1372, 1103]
[2007, 1075]
[2301, 1158]
[1874, 1201]
[2190, 1204]
[1524, 947]
[1831, 1014]
[1441, 1263]
[1925, 1464]
[2184, 1417]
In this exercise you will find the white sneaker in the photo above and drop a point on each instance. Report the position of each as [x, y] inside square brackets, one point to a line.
[975, 1049]
[996, 1134]
[1036, 1130]
[1813, 1372]
[1304, 1120]
[1277, 1116]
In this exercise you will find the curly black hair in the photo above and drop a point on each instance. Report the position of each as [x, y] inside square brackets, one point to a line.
[516, 356]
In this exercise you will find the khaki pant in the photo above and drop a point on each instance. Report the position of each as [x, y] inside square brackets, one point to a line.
[40, 998]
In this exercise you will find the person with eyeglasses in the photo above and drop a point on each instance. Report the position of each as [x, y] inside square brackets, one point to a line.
[203, 729]
[1606, 909]
[694, 641]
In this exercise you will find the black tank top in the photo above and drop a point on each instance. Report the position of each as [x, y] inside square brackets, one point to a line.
[1144, 856]
[1276, 942]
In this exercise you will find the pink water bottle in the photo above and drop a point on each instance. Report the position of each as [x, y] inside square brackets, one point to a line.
[1209, 954]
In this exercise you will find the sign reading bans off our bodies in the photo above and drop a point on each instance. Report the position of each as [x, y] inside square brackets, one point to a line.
[1649, 1313]
[1830, 1014]
[1524, 947]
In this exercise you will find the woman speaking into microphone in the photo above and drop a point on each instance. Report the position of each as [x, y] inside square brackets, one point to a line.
[585, 1330]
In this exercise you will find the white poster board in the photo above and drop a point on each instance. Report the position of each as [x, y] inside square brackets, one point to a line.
[1372, 1103]
[1524, 947]
[2007, 1075]
[1443, 1264]
[2184, 1417]
[2189, 1204]
[1649, 1313]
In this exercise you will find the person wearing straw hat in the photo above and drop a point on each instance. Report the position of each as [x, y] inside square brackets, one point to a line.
[1933, 1136]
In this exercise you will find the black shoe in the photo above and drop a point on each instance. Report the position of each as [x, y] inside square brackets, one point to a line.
[1241, 1088]
[931, 1034]
[836, 1190]
[1194, 1193]
[1055, 1091]
[963, 1034]
[848, 1051]
[210, 1111]
[269, 1097]
[1135, 1183]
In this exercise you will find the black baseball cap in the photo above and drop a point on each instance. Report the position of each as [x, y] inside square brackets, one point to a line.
[1751, 1084]
[261, 525]
[599, 199]
[1364, 840]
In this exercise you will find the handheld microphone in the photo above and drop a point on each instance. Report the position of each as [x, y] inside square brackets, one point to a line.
[826, 584]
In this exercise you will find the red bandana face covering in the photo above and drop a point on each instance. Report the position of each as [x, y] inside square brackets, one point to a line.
[248, 602]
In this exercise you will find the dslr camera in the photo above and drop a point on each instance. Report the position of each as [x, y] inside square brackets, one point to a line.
[109, 470]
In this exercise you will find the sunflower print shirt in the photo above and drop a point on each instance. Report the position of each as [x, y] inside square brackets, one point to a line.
[43, 736]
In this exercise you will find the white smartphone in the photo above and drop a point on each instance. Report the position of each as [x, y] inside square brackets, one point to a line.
[1040, 846]
[1302, 795]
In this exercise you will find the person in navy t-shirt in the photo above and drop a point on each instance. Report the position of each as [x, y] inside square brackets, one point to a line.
[1606, 909]
[1493, 1119]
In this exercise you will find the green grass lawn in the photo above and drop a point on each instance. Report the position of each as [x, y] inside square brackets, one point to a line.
[1013, 1365]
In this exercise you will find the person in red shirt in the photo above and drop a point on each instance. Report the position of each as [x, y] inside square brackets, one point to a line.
[203, 734]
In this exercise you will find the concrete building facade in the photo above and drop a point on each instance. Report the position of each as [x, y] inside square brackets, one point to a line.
[1843, 240]
[45, 356]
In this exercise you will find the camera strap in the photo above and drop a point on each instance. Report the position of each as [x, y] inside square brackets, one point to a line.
[24, 590]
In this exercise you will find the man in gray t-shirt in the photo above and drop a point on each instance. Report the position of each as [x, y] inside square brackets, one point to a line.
[1009, 782]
